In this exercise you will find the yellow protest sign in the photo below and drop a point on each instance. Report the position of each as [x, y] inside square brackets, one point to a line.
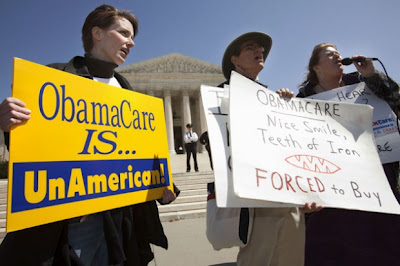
[88, 147]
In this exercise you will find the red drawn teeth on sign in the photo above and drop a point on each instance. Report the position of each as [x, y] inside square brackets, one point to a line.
[312, 163]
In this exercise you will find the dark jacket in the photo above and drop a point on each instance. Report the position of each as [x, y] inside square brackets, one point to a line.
[205, 141]
[138, 225]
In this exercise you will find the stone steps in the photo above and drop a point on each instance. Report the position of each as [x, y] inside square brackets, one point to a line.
[179, 215]
[2, 233]
[193, 181]
[191, 202]
[188, 199]
[182, 207]
[185, 193]
[3, 208]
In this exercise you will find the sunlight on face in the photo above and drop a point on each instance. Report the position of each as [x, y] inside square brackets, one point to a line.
[329, 62]
[115, 42]
[250, 59]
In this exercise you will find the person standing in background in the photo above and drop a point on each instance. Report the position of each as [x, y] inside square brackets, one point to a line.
[206, 142]
[190, 146]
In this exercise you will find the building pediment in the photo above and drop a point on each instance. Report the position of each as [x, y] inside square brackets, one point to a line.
[171, 63]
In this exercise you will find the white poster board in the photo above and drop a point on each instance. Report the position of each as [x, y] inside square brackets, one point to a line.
[304, 150]
[384, 123]
[216, 111]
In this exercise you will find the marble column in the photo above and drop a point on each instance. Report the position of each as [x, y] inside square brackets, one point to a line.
[186, 114]
[203, 122]
[169, 121]
[150, 92]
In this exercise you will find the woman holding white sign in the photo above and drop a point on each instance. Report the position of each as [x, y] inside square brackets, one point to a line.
[115, 237]
[350, 237]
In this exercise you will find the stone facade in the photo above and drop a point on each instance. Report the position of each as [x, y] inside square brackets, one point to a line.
[176, 79]
[3, 148]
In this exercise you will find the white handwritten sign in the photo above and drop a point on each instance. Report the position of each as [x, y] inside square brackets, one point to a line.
[216, 109]
[304, 150]
[384, 123]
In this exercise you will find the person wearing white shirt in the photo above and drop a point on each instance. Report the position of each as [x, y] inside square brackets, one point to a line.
[190, 146]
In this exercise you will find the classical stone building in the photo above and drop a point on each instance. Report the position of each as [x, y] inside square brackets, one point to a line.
[176, 79]
[3, 148]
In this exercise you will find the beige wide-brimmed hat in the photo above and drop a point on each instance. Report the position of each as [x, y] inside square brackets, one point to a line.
[263, 39]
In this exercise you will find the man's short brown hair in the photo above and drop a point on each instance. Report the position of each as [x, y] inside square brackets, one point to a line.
[103, 17]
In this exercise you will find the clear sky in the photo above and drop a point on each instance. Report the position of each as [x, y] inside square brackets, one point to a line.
[47, 31]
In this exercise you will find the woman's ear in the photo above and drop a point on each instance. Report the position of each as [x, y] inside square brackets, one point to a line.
[234, 60]
[97, 33]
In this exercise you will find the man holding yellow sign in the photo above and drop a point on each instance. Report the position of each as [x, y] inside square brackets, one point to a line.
[99, 176]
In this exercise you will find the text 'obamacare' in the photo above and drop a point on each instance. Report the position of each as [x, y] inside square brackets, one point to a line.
[94, 113]
[302, 106]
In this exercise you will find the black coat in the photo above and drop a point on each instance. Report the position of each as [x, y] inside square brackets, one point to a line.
[139, 225]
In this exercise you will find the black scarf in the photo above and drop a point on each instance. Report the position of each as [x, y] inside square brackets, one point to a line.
[99, 68]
